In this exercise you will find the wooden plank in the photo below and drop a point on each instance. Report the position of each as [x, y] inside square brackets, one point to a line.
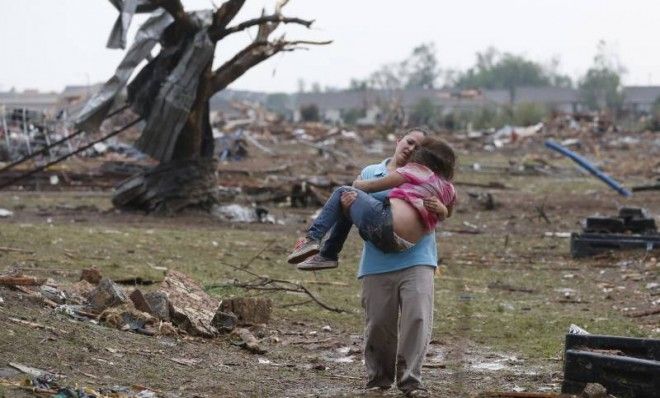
[21, 281]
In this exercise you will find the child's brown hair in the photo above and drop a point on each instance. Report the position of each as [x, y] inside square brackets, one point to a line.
[437, 155]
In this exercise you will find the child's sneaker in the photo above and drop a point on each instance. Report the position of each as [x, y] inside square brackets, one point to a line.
[304, 248]
[317, 262]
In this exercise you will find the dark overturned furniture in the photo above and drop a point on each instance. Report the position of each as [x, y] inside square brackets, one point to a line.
[584, 245]
[633, 228]
[627, 367]
[630, 219]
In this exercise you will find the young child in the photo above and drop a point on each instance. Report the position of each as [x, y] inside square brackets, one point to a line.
[398, 223]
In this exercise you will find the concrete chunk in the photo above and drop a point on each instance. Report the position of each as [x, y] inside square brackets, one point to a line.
[249, 310]
[91, 275]
[224, 321]
[107, 294]
[159, 304]
[139, 301]
[191, 308]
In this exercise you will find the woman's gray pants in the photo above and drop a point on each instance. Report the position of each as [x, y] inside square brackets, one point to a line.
[398, 303]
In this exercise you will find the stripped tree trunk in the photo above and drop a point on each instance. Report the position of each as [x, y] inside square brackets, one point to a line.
[189, 180]
[172, 92]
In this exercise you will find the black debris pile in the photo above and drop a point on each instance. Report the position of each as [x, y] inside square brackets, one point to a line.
[633, 228]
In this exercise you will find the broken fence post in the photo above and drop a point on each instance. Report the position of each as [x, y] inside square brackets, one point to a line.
[585, 164]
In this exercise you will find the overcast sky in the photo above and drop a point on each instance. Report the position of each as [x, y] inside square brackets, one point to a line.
[47, 44]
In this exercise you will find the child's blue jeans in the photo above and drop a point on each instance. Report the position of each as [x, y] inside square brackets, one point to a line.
[372, 218]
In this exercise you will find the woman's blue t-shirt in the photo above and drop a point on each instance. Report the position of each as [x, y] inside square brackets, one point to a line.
[374, 261]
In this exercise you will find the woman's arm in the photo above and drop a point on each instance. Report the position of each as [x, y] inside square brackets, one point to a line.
[380, 184]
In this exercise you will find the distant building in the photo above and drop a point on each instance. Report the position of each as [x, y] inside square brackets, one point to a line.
[640, 99]
[560, 99]
[373, 104]
[29, 99]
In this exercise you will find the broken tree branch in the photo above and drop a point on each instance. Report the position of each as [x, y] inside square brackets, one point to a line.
[15, 249]
[21, 281]
[270, 284]
[36, 325]
[250, 56]
[224, 15]
[642, 313]
[295, 304]
[257, 51]
[251, 259]
[216, 34]
[231, 70]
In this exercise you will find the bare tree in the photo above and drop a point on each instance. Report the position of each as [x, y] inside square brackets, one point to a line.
[172, 92]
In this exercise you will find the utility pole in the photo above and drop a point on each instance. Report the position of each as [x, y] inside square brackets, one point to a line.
[6, 131]
[25, 132]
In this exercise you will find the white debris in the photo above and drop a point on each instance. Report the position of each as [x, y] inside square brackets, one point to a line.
[146, 394]
[575, 329]
[100, 148]
[238, 213]
[563, 235]
[4, 213]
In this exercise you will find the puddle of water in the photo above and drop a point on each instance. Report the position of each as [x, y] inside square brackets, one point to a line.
[492, 366]
[342, 360]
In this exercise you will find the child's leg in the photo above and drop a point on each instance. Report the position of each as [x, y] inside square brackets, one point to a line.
[335, 242]
[329, 216]
[373, 219]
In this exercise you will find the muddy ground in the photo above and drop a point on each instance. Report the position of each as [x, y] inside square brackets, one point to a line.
[505, 293]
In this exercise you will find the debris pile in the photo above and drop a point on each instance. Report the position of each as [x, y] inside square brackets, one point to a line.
[180, 306]
[632, 228]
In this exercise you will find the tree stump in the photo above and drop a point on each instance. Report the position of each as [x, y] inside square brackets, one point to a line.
[170, 187]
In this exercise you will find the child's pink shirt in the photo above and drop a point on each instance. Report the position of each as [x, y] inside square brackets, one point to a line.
[422, 183]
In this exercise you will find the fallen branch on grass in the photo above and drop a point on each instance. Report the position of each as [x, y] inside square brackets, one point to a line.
[36, 325]
[14, 249]
[249, 262]
[21, 281]
[266, 283]
[296, 304]
[642, 313]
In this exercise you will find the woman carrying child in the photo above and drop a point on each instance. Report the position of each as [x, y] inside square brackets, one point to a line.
[396, 224]
[397, 287]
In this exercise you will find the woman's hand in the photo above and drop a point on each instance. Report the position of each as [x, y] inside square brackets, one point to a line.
[434, 205]
[347, 199]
